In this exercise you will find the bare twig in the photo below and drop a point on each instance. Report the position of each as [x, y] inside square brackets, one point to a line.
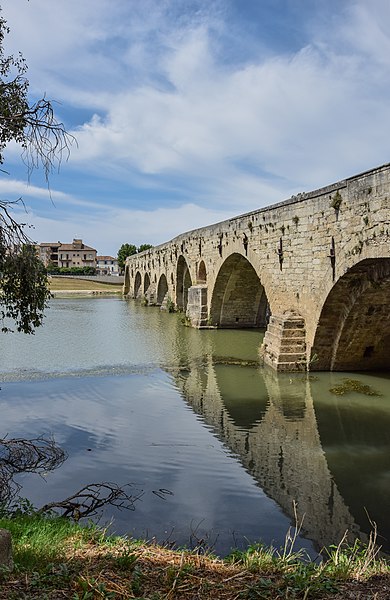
[46, 139]
[38, 455]
[41, 455]
[91, 498]
[12, 234]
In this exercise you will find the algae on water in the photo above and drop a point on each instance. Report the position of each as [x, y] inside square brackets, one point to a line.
[353, 385]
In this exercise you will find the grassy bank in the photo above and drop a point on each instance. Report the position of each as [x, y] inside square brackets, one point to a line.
[56, 559]
[64, 284]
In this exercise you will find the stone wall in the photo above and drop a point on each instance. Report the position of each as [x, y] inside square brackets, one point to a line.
[297, 261]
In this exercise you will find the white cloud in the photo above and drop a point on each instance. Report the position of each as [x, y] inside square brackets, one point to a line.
[108, 231]
[9, 188]
[307, 117]
[12, 189]
[167, 105]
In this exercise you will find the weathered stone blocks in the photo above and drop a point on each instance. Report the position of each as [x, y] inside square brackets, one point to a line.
[284, 345]
[291, 258]
[197, 312]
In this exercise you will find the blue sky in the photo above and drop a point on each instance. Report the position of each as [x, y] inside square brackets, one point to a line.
[190, 112]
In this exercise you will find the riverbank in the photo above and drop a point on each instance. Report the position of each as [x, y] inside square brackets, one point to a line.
[70, 286]
[78, 293]
[57, 559]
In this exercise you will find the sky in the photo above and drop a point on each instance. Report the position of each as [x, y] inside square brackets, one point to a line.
[188, 112]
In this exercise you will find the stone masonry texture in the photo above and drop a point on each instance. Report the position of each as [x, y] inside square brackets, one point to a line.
[314, 270]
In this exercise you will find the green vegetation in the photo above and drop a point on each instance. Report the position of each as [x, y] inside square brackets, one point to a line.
[124, 251]
[185, 320]
[38, 540]
[144, 247]
[23, 288]
[53, 270]
[42, 141]
[336, 201]
[55, 558]
[129, 250]
[231, 360]
[353, 385]
[170, 305]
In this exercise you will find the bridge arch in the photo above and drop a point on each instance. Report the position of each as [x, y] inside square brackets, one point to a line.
[183, 283]
[162, 289]
[137, 283]
[238, 298]
[243, 394]
[202, 273]
[146, 282]
[353, 331]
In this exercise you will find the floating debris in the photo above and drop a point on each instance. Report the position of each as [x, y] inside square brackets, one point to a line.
[353, 385]
[230, 360]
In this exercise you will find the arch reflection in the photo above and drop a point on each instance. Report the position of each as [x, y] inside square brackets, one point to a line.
[269, 422]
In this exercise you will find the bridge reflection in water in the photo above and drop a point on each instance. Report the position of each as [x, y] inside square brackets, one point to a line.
[270, 423]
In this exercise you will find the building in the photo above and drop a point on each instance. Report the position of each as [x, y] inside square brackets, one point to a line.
[48, 253]
[75, 254]
[107, 265]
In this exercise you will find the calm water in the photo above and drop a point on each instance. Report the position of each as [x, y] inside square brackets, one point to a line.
[134, 396]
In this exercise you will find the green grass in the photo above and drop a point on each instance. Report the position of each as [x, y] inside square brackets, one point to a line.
[38, 541]
[55, 558]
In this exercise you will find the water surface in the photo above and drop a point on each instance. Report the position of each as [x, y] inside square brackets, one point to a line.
[220, 450]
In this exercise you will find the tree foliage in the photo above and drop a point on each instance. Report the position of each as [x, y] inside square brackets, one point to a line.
[144, 247]
[128, 250]
[124, 251]
[54, 270]
[43, 142]
[24, 291]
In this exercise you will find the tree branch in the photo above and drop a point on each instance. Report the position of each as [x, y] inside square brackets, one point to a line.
[91, 498]
[38, 455]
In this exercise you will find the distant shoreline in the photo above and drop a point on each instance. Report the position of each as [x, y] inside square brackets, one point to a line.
[61, 293]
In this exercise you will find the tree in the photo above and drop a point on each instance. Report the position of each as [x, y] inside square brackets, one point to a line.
[23, 289]
[43, 141]
[144, 247]
[124, 251]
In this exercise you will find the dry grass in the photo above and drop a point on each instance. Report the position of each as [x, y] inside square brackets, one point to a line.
[70, 284]
[118, 569]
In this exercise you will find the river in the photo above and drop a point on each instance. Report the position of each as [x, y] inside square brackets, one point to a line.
[220, 449]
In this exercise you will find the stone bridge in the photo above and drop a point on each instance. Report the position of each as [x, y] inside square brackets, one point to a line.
[313, 271]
